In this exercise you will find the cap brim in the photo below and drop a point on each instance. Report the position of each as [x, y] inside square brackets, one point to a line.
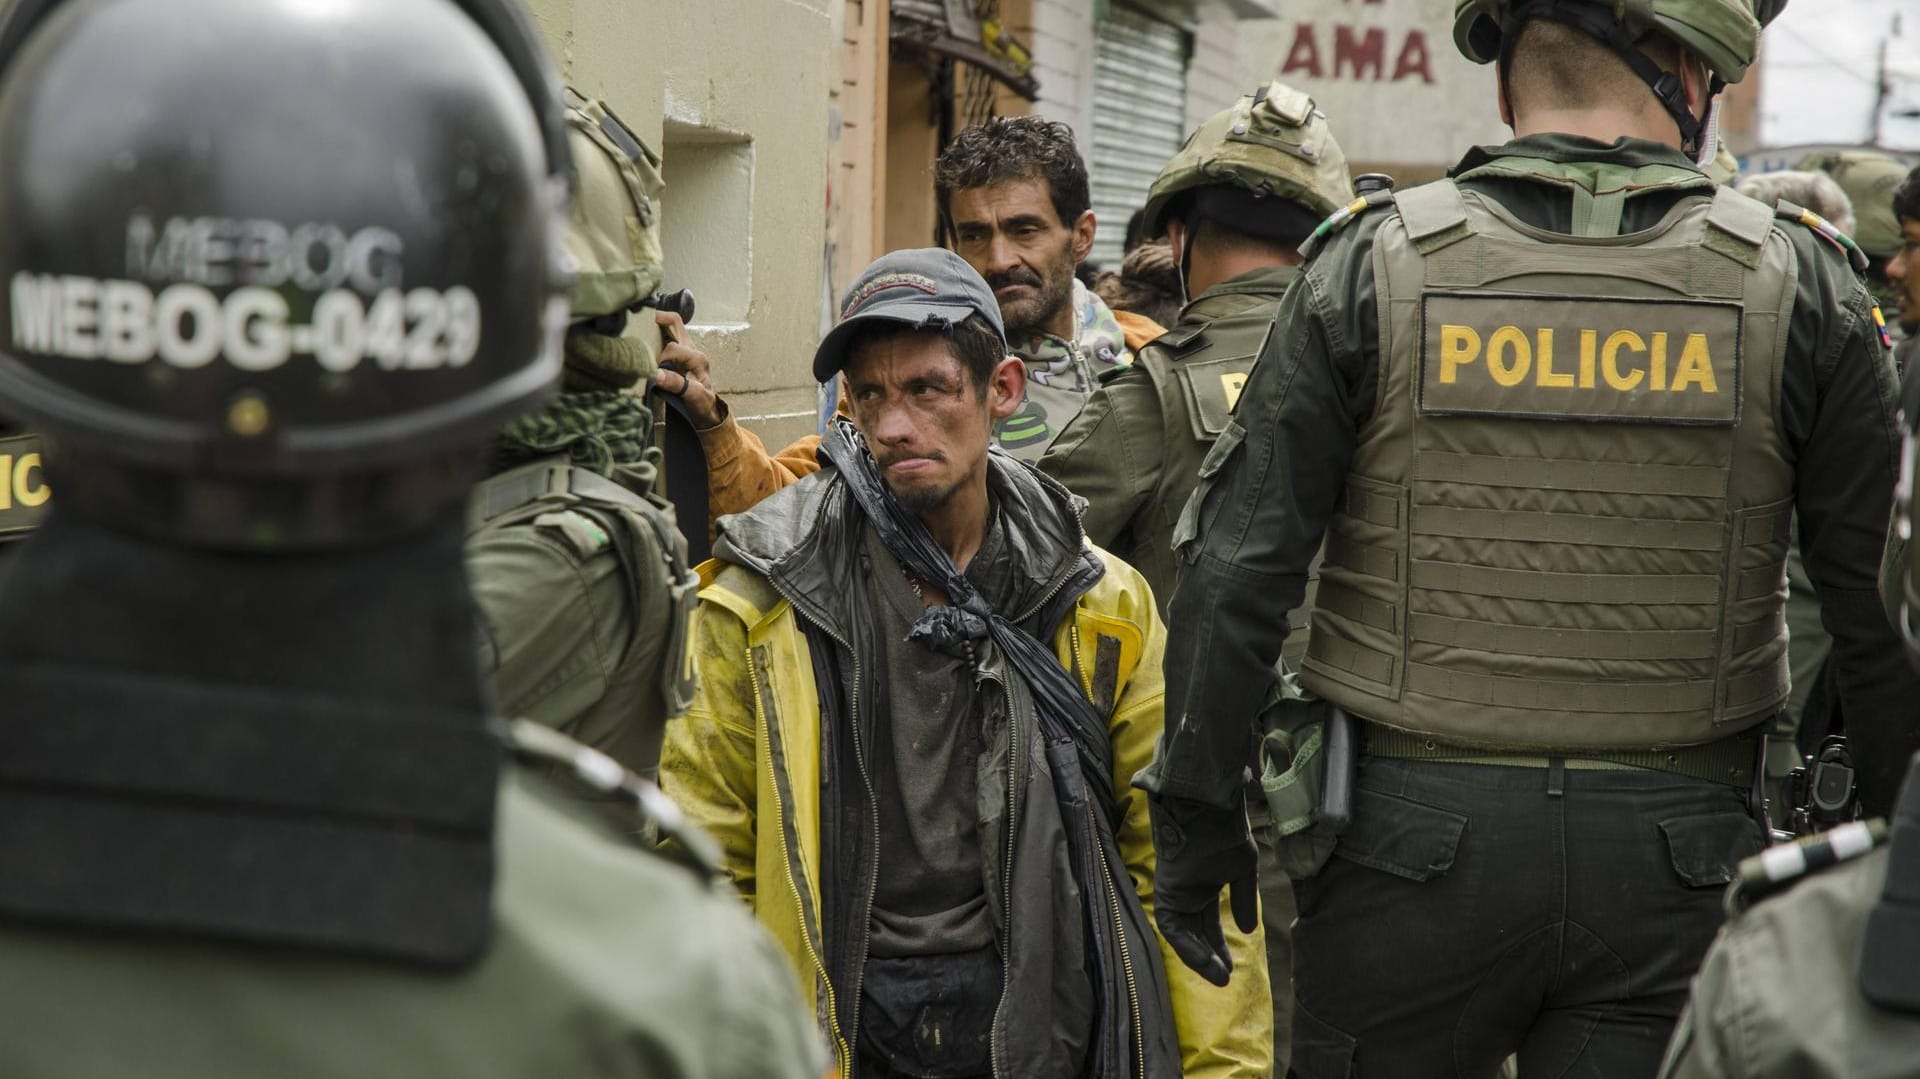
[831, 356]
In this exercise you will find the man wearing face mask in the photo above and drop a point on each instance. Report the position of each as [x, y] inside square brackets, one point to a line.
[1015, 197]
[578, 568]
[1552, 417]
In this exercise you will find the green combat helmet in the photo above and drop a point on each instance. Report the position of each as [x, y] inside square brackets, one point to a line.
[1263, 167]
[613, 238]
[1869, 179]
[1724, 33]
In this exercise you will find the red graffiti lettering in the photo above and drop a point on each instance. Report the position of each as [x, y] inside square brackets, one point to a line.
[1355, 57]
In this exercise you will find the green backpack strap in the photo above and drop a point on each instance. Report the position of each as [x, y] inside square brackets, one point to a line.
[595, 513]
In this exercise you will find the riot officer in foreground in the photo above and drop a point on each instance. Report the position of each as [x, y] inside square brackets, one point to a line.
[1817, 972]
[272, 286]
[1551, 416]
[578, 565]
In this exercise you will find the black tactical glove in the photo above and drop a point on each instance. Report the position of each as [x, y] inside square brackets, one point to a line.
[1201, 849]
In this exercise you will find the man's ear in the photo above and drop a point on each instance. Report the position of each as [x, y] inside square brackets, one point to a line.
[1082, 236]
[1006, 388]
[1500, 88]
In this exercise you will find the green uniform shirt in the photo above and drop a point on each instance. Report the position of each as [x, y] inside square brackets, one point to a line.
[1134, 451]
[605, 961]
[1264, 515]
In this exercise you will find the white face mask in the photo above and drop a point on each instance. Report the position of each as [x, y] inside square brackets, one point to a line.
[1709, 136]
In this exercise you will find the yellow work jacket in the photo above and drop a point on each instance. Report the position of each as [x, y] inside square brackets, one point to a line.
[744, 763]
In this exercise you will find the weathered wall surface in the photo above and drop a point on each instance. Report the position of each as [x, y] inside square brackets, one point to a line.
[734, 93]
[1401, 99]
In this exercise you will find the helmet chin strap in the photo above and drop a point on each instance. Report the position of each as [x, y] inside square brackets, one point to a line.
[1596, 21]
[1186, 261]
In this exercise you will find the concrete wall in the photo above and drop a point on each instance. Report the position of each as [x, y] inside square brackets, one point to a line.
[1400, 98]
[735, 92]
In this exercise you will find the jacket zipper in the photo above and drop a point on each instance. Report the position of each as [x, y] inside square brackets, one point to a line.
[1119, 923]
[786, 861]
[873, 844]
[1006, 873]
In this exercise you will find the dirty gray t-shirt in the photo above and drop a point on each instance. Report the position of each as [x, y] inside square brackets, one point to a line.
[931, 897]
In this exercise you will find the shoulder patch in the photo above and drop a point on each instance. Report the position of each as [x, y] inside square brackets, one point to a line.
[1185, 338]
[1340, 218]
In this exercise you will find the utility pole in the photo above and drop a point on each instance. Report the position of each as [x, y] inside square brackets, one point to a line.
[1883, 87]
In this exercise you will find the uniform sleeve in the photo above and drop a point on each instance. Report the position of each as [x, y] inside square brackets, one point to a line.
[740, 472]
[1252, 527]
[1839, 411]
[1110, 454]
[707, 761]
[1225, 1032]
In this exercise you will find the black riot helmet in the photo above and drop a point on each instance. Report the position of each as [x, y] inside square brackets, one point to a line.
[273, 272]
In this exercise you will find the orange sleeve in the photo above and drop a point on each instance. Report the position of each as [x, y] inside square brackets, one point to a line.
[1137, 329]
[740, 472]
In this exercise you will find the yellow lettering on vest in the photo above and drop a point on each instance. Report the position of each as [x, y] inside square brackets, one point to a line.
[1658, 364]
[1610, 358]
[1458, 345]
[27, 491]
[1504, 340]
[6, 485]
[1545, 375]
[1588, 338]
[1696, 366]
[1231, 385]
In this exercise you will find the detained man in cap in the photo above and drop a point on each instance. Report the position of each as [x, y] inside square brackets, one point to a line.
[923, 697]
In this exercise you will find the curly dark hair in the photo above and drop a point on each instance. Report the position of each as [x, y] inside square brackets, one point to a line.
[1015, 148]
[1906, 198]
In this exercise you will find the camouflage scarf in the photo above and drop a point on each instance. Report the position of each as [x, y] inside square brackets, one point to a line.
[606, 432]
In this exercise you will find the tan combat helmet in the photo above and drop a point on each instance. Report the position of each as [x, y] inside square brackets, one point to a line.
[1273, 144]
[1869, 179]
[613, 240]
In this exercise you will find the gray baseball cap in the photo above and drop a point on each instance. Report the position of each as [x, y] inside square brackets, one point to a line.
[930, 288]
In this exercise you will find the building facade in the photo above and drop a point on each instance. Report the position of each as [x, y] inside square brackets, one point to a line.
[734, 95]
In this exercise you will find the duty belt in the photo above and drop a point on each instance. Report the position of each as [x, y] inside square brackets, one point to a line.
[1731, 761]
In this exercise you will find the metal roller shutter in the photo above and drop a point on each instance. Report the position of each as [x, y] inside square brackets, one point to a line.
[1139, 118]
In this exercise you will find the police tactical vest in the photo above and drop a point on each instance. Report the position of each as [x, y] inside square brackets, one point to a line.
[1564, 526]
[1198, 369]
[592, 516]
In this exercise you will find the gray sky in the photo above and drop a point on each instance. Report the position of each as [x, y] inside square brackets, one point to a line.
[1822, 66]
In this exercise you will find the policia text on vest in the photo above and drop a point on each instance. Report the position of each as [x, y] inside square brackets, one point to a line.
[23, 487]
[1632, 360]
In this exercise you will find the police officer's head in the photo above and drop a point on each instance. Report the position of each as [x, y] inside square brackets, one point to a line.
[275, 270]
[1582, 54]
[1250, 184]
[613, 238]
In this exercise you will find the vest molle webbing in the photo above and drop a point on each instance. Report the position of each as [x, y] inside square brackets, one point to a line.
[1565, 524]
